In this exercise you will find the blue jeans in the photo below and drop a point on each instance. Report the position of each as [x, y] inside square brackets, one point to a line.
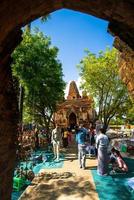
[82, 155]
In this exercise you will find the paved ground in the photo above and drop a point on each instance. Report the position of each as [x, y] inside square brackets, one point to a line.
[66, 183]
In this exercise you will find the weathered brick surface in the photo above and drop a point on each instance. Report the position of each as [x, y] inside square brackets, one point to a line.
[75, 109]
[119, 13]
[8, 131]
[15, 14]
[126, 64]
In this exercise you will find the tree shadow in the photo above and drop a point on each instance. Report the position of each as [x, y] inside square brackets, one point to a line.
[55, 185]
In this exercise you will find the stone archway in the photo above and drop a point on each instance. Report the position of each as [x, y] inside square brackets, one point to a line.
[72, 120]
[119, 14]
[15, 14]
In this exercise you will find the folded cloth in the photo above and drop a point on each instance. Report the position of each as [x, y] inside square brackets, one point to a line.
[130, 183]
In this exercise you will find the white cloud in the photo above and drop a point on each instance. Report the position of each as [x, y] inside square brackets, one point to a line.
[78, 83]
[67, 89]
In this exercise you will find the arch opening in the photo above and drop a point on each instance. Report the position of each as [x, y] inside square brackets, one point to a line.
[72, 120]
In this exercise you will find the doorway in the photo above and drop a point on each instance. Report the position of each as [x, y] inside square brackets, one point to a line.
[72, 120]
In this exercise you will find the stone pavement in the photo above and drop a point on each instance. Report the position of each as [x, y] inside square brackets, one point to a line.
[66, 183]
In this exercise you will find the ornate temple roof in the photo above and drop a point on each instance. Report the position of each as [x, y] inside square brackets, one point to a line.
[73, 91]
[75, 100]
[76, 103]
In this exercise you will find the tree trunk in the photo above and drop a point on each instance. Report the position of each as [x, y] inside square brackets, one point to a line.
[105, 126]
[21, 99]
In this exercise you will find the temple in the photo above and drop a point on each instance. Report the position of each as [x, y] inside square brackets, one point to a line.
[75, 109]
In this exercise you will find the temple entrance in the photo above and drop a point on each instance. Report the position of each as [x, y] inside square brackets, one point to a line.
[72, 120]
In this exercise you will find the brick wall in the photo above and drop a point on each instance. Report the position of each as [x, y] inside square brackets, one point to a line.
[8, 131]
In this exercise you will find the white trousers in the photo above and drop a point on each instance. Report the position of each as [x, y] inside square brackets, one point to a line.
[56, 147]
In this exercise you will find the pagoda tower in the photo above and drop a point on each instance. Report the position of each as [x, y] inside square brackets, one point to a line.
[75, 109]
[73, 91]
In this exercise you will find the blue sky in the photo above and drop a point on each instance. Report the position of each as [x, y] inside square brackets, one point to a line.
[72, 32]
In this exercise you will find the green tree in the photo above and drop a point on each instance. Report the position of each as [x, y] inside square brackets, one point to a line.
[130, 115]
[101, 79]
[39, 71]
[43, 19]
[21, 88]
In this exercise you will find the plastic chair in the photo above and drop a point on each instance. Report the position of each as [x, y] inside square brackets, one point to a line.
[123, 148]
[18, 183]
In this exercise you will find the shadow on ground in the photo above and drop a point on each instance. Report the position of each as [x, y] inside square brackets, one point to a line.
[56, 186]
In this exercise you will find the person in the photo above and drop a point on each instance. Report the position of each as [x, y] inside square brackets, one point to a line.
[56, 138]
[92, 135]
[102, 143]
[98, 126]
[93, 151]
[69, 136]
[65, 137]
[119, 164]
[81, 141]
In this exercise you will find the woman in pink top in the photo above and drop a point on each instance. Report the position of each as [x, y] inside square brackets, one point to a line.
[119, 163]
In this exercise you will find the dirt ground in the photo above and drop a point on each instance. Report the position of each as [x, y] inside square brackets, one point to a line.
[66, 183]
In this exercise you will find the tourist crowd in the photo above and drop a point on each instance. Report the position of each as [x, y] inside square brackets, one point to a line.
[92, 142]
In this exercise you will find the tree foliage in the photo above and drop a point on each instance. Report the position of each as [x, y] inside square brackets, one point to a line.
[37, 68]
[101, 79]
[130, 115]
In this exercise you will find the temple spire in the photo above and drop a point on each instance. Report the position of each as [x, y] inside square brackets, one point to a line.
[73, 91]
